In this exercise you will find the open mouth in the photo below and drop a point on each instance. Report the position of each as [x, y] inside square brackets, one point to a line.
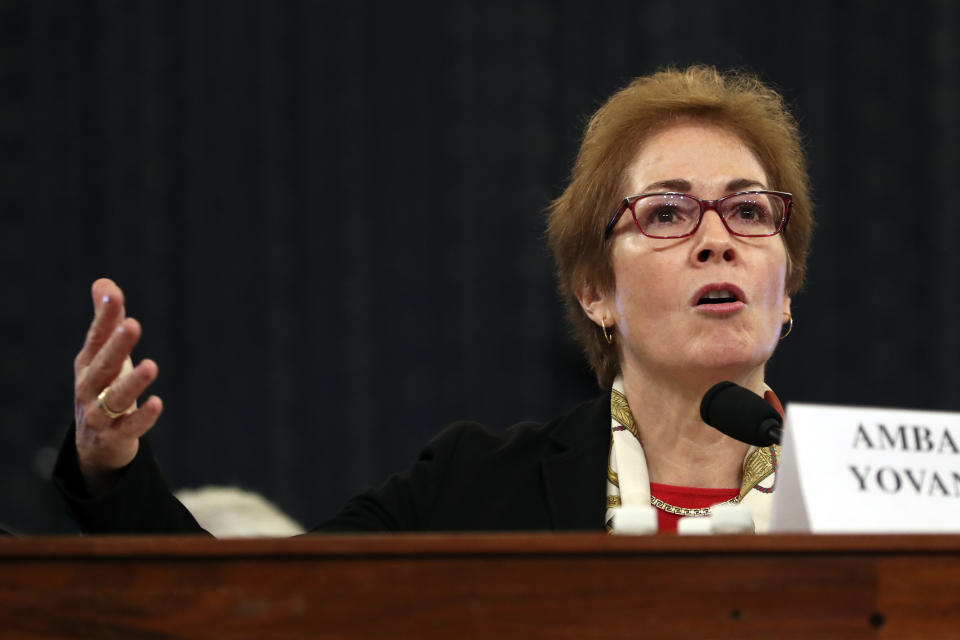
[718, 296]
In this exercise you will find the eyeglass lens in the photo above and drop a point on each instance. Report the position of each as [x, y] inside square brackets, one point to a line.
[671, 215]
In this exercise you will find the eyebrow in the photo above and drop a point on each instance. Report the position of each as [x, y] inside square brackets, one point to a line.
[682, 186]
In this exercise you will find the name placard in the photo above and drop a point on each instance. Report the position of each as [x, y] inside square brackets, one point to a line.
[868, 470]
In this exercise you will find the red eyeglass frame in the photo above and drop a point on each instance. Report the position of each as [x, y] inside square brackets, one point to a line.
[705, 205]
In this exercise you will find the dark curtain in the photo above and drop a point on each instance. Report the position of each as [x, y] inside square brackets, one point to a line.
[328, 216]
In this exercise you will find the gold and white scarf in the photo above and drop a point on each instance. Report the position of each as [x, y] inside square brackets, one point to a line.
[629, 485]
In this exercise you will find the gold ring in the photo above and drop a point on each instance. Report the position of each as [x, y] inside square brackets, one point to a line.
[107, 411]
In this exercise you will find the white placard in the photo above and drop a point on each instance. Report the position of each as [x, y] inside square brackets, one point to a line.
[868, 470]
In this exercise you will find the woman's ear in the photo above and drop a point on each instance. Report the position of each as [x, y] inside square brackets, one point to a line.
[598, 305]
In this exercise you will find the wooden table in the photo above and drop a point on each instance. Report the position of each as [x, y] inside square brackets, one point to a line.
[482, 586]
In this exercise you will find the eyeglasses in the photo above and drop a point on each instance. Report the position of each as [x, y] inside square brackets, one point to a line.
[751, 214]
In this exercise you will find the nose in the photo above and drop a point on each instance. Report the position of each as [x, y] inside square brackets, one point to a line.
[714, 240]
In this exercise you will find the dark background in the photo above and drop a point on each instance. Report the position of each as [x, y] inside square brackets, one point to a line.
[328, 216]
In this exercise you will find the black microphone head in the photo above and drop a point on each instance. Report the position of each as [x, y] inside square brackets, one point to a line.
[740, 414]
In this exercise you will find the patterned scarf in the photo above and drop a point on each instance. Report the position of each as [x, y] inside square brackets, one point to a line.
[628, 482]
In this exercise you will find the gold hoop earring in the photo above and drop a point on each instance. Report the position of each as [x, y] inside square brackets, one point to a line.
[606, 336]
[789, 324]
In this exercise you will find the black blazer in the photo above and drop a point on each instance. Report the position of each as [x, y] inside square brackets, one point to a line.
[532, 477]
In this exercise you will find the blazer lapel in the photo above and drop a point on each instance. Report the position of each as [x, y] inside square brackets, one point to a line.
[575, 476]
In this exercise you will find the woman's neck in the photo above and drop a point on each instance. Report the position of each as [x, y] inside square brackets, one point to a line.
[679, 447]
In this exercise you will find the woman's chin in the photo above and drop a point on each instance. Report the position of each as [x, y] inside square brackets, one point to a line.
[705, 358]
[730, 357]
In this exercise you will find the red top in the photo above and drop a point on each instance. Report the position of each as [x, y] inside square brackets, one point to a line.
[689, 497]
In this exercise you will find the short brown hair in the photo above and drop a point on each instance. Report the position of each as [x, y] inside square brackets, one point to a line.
[736, 101]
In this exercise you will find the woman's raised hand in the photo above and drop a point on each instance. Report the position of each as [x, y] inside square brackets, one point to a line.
[106, 388]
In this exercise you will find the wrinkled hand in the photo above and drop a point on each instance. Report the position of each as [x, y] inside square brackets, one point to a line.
[105, 445]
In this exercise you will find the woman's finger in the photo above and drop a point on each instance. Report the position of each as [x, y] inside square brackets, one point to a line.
[122, 394]
[108, 363]
[136, 424]
[108, 314]
[103, 451]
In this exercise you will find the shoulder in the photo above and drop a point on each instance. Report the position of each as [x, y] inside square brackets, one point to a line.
[510, 480]
[575, 429]
[470, 477]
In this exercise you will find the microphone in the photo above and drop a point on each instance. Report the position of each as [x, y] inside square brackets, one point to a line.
[741, 414]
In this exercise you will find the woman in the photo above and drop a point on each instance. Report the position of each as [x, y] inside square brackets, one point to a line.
[677, 263]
